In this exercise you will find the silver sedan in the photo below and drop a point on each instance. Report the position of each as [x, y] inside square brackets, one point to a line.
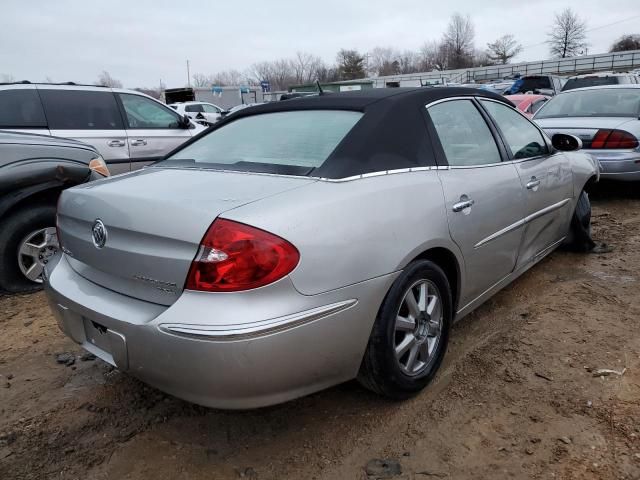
[302, 244]
[607, 121]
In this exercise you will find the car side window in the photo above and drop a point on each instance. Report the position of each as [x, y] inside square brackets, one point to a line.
[210, 109]
[193, 108]
[81, 110]
[143, 112]
[464, 135]
[21, 108]
[535, 106]
[522, 137]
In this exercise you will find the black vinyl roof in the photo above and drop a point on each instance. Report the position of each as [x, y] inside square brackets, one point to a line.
[362, 99]
[392, 133]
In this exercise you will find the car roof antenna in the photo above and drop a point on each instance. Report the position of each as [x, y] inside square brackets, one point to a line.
[320, 91]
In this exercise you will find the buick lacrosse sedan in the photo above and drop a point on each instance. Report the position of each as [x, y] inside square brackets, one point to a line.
[300, 244]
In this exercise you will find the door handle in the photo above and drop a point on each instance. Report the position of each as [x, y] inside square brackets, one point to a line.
[138, 142]
[460, 206]
[116, 143]
[533, 184]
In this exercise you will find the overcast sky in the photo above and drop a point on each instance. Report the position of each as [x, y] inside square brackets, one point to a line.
[140, 42]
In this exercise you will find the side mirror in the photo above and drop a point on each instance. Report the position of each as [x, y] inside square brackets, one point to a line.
[565, 142]
[185, 121]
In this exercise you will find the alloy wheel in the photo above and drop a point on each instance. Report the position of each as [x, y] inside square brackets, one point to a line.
[418, 327]
[35, 250]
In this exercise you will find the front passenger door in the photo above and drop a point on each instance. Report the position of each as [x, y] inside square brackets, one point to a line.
[483, 197]
[153, 130]
[547, 181]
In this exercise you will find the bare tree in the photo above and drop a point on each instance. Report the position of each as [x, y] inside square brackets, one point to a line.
[626, 42]
[458, 39]
[433, 56]
[201, 80]
[383, 61]
[229, 78]
[279, 73]
[6, 78]
[306, 66]
[568, 35]
[106, 80]
[350, 64]
[503, 49]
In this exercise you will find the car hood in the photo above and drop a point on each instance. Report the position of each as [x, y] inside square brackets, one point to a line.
[155, 219]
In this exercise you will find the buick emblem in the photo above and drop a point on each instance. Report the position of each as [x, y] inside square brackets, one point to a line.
[99, 233]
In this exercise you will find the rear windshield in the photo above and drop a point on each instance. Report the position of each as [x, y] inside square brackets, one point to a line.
[294, 143]
[606, 102]
[590, 82]
[530, 84]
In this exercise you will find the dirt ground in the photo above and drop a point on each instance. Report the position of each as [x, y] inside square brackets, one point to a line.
[517, 397]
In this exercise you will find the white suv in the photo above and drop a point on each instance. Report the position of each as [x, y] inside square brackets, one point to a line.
[129, 129]
[201, 112]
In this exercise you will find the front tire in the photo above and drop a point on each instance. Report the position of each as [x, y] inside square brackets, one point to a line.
[27, 240]
[410, 334]
[579, 237]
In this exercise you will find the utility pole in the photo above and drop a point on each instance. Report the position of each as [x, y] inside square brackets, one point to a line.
[188, 76]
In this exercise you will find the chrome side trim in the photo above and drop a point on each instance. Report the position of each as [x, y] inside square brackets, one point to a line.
[256, 329]
[381, 173]
[524, 221]
[500, 233]
[321, 179]
[546, 210]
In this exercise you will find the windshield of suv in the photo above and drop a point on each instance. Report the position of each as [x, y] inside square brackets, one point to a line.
[292, 142]
[590, 82]
[606, 102]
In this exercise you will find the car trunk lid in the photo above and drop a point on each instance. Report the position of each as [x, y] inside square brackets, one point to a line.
[585, 128]
[154, 221]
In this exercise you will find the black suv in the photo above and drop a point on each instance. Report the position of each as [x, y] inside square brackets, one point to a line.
[34, 169]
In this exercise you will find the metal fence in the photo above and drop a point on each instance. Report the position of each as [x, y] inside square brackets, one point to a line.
[620, 61]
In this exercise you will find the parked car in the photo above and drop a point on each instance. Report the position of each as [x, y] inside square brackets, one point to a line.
[600, 79]
[341, 242]
[606, 120]
[129, 129]
[34, 169]
[538, 84]
[201, 112]
[242, 106]
[528, 103]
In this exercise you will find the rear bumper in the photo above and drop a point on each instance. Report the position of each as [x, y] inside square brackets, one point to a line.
[229, 350]
[624, 166]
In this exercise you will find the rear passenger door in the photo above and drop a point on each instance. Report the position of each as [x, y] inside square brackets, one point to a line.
[483, 196]
[153, 130]
[90, 115]
[547, 180]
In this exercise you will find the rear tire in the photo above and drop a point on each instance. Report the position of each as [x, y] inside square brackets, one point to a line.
[401, 359]
[13, 231]
[579, 237]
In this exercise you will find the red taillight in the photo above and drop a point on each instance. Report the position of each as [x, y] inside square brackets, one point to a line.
[234, 256]
[606, 138]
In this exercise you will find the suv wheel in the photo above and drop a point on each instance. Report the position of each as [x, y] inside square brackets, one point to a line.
[28, 239]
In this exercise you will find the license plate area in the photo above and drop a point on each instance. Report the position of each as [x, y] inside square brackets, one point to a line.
[97, 335]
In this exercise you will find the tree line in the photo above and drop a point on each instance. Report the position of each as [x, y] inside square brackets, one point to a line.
[455, 49]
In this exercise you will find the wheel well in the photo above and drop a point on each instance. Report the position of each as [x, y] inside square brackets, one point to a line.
[447, 261]
[43, 197]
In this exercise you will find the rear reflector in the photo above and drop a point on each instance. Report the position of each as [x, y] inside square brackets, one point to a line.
[613, 139]
[234, 257]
